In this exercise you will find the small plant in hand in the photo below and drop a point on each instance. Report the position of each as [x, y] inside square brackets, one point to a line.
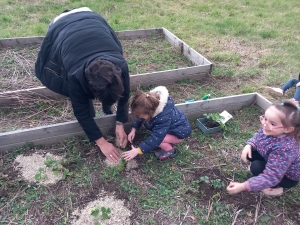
[40, 175]
[214, 120]
[104, 213]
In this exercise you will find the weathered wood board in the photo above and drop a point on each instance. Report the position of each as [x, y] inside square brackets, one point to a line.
[58, 132]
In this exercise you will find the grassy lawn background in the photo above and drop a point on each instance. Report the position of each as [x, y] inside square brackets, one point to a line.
[251, 43]
[206, 26]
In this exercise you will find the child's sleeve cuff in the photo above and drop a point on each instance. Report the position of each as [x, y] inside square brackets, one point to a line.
[140, 151]
[247, 186]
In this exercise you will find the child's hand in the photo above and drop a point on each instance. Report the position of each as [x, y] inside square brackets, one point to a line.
[235, 187]
[298, 84]
[131, 135]
[247, 152]
[130, 154]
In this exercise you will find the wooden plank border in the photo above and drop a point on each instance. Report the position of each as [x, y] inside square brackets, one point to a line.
[21, 41]
[262, 102]
[126, 34]
[58, 132]
[133, 34]
[185, 49]
[20, 97]
[201, 69]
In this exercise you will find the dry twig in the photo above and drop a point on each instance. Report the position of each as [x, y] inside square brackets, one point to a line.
[202, 167]
[19, 192]
[236, 214]
[188, 208]
[257, 209]
[210, 208]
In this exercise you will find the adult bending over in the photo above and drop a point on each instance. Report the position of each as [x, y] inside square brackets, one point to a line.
[82, 58]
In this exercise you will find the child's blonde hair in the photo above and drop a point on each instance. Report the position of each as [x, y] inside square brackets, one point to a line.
[144, 103]
[292, 117]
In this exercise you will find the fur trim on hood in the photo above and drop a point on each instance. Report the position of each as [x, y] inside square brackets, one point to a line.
[163, 94]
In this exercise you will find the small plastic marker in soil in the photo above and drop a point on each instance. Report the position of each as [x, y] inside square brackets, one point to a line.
[189, 100]
[205, 97]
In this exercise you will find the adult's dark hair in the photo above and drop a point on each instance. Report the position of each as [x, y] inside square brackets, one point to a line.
[105, 81]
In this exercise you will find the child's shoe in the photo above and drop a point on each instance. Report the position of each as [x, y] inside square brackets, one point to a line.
[157, 152]
[162, 155]
[273, 191]
[296, 103]
[274, 91]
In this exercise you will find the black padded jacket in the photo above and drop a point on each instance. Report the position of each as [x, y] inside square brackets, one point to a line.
[71, 43]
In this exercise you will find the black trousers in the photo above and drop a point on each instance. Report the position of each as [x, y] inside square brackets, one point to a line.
[258, 165]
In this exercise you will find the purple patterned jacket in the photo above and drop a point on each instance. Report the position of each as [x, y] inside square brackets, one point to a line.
[283, 159]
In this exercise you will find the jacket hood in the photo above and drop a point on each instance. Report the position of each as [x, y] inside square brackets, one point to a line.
[163, 94]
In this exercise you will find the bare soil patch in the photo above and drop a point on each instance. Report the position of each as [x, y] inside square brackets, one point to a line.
[207, 192]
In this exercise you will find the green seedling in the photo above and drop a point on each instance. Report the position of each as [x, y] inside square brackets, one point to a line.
[53, 164]
[204, 179]
[66, 173]
[40, 175]
[122, 164]
[217, 183]
[104, 212]
[215, 118]
[95, 212]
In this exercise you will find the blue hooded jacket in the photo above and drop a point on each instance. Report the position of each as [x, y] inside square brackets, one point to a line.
[167, 119]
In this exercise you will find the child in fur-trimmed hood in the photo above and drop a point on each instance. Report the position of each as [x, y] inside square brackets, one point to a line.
[168, 125]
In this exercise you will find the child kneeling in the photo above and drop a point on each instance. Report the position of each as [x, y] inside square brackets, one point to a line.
[274, 152]
[168, 125]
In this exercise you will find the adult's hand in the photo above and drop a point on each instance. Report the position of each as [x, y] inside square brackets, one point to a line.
[111, 153]
[121, 135]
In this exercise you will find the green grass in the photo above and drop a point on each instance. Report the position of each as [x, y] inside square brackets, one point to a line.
[170, 188]
[203, 25]
[152, 54]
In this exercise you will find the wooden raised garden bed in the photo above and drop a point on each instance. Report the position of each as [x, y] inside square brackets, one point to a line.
[58, 132]
[202, 67]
